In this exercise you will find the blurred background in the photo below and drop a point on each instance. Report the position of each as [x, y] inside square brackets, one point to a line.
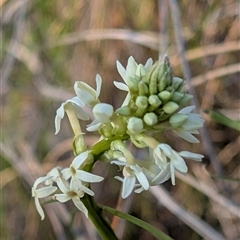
[48, 45]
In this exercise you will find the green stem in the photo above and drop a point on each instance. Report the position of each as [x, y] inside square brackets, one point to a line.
[95, 214]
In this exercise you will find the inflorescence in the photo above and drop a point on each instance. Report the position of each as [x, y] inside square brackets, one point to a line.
[156, 102]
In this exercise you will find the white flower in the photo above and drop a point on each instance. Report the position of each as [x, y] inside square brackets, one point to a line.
[102, 113]
[41, 193]
[163, 154]
[131, 70]
[86, 93]
[79, 176]
[131, 170]
[70, 193]
[74, 104]
[190, 126]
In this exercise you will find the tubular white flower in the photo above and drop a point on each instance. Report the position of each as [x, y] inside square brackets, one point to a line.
[86, 93]
[70, 193]
[41, 193]
[74, 103]
[190, 126]
[78, 176]
[163, 154]
[131, 170]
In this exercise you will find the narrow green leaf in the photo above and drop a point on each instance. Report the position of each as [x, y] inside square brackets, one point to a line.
[156, 232]
[219, 117]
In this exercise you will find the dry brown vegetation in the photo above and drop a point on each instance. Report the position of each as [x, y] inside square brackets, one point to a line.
[48, 45]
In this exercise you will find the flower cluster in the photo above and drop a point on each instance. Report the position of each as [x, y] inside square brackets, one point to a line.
[72, 183]
[156, 101]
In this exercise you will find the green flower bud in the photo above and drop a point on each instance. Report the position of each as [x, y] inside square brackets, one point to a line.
[164, 95]
[124, 111]
[177, 83]
[142, 102]
[154, 101]
[176, 120]
[133, 84]
[142, 89]
[170, 107]
[177, 96]
[141, 71]
[185, 100]
[135, 125]
[150, 119]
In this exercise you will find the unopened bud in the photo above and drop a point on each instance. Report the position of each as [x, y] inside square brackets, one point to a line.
[170, 107]
[177, 96]
[154, 101]
[185, 100]
[103, 112]
[164, 95]
[133, 84]
[135, 125]
[177, 83]
[142, 89]
[176, 120]
[150, 119]
[142, 102]
[141, 71]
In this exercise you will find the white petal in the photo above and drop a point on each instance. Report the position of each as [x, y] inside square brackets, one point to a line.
[121, 86]
[190, 155]
[143, 180]
[128, 185]
[62, 186]
[163, 175]
[79, 160]
[179, 164]
[67, 173]
[187, 110]
[76, 101]
[39, 208]
[121, 70]
[88, 177]
[99, 84]
[131, 66]
[62, 197]
[93, 126]
[85, 93]
[119, 178]
[80, 205]
[44, 192]
[186, 136]
[59, 116]
[148, 63]
[166, 149]
[80, 113]
[172, 170]
[40, 180]
[85, 189]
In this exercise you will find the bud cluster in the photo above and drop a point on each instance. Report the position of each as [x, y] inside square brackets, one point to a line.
[155, 95]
